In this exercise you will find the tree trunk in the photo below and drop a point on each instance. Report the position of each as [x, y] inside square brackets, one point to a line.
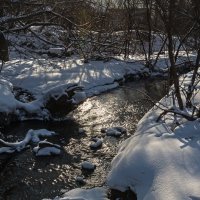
[174, 78]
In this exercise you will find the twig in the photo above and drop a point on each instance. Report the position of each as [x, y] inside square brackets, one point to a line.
[188, 117]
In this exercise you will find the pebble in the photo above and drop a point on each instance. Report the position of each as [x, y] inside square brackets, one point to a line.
[88, 165]
[96, 144]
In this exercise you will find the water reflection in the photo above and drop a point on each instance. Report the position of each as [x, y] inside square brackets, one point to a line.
[26, 177]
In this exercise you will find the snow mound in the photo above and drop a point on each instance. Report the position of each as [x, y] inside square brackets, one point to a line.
[46, 148]
[31, 136]
[46, 151]
[157, 163]
[58, 100]
[114, 131]
[84, 194]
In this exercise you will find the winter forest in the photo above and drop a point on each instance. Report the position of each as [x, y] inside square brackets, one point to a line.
[99, 99]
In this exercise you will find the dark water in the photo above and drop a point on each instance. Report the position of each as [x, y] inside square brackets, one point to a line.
[23, 176]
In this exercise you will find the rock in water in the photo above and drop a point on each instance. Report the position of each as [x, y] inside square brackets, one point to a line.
[46, 148]
[114, 131]
[61, 100]
[88, 166]
[96, 144]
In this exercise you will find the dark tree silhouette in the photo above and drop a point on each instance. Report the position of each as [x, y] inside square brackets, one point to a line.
[3, 50]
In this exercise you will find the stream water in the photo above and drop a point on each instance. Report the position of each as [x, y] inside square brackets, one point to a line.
[24, 176]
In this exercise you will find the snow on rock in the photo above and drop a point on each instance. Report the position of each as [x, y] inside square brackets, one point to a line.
[57, 91]
[97, 193]
[114, 131]
[157, 163]
[31, 136]
[97, 142]
[62, 99]
[46, 151]
[63, 93]
[46, 148]
[88, 165]
[36, 134]
[9, 105]
[58, 101]
[7, 150]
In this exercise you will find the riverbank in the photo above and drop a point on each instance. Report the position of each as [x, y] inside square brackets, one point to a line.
[160, 161]
[48, 177]
[38, 76]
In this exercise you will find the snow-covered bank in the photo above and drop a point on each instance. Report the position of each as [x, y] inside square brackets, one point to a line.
[39, 75]
[83, 194]
[32, 136]
[158, 163]
[59, 81]
[147, 146]
[42, 76]
[55, 102]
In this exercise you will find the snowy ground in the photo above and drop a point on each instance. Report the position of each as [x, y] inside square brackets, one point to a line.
[157, 163]
[39, 75]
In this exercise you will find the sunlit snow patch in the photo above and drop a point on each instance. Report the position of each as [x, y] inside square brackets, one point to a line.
[97, 193]
[31, 136]
[46, 148]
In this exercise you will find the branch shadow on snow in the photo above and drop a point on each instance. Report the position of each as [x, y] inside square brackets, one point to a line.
[187, 133]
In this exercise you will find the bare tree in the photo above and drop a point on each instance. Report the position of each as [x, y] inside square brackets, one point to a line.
[167, 10]
[3, 50]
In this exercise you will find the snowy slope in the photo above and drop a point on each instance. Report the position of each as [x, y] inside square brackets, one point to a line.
[40, 75]
[157, 163]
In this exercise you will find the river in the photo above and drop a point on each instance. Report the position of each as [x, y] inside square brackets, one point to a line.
[24, 176]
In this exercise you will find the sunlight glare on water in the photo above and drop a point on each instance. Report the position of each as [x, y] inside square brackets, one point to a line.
[26, 177]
